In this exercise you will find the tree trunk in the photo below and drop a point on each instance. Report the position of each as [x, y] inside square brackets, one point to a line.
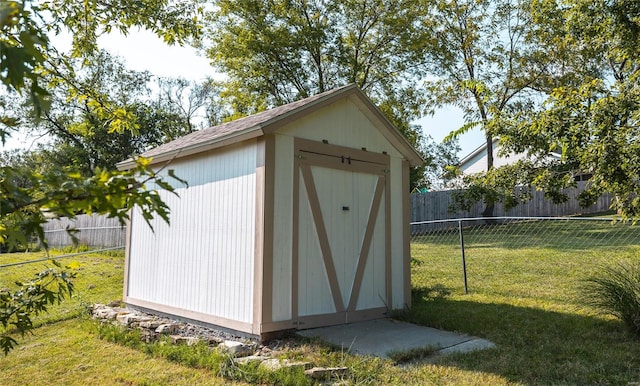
[490, 205]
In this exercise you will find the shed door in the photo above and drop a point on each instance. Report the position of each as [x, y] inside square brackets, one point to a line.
[342, 266]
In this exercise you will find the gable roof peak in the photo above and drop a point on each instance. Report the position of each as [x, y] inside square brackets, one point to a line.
[260, 123]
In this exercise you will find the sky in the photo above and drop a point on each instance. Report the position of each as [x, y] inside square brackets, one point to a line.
[142, 50]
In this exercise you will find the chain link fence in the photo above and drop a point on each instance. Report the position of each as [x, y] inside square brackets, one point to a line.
[470, 254]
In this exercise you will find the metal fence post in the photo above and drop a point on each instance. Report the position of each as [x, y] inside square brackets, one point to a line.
[464, 262]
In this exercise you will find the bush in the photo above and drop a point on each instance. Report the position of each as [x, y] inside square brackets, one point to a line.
[616, 291]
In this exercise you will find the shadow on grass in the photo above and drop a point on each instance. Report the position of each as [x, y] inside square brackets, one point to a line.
[534, 346]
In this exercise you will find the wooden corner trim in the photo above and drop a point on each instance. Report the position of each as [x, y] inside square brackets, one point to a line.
[387, 245]
[406, 234]
[267, 249]
[258, 254]
[295, 241]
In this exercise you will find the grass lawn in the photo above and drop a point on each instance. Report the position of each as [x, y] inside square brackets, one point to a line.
[99, 279]
[67, 353]
[523, 297]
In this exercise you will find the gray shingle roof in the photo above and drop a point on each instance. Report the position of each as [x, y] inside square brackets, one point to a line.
[247, 127]
[252, 122]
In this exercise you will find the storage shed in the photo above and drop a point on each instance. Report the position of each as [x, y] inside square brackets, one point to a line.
[295, 217]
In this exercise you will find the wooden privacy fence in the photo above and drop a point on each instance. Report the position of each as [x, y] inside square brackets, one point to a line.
[432, 206]
[92, 231]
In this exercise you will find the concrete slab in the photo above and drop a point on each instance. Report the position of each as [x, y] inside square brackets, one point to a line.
[382, 336]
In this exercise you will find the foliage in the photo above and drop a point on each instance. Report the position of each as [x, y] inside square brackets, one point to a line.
[99, 278]
[65, 193]
[27, 56]
[291, 50]
[80, 134]
[439, 157]
[29, 63]
[276, 52]
[185, 99]
[96, 278]
[615, 290]
[31, 297]
[498, 184]
[481, 62]
[592, 113]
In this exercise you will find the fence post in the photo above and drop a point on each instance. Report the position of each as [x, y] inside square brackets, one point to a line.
[464, 262]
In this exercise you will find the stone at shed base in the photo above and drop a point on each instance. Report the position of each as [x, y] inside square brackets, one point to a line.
[277, 364]
[150, 325]
[250, 359]
[166, 328]
[188, 340]
[148, 336]
[327, 373]
[236, 349]
[107, 314]
[131, 319]
[115, 303]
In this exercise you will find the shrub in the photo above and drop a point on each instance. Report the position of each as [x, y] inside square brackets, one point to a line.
[615, 290]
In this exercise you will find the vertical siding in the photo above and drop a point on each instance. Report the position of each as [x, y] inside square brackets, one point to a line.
[282, 229]
[336, 189]
[341, 123]
[203, 260]
[314, 291]
[373, 289]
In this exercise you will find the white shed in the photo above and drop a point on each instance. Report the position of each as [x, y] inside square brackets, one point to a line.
[296, 217]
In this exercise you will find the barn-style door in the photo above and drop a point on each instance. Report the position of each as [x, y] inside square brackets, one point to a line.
[341, 236]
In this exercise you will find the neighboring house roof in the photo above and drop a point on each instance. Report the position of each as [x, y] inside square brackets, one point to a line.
[479, 151]
[267, 121]
[476, 161]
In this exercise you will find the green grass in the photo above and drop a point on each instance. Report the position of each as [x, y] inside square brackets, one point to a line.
[67, 353]
[67, 349]
[99, 279]
[523, 297]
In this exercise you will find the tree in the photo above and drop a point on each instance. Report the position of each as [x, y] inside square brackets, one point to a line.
[81, 135]
[592, 113]
[481, 61]
[28, 63]
[442, 157]
[186, 99]
[276, 52]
